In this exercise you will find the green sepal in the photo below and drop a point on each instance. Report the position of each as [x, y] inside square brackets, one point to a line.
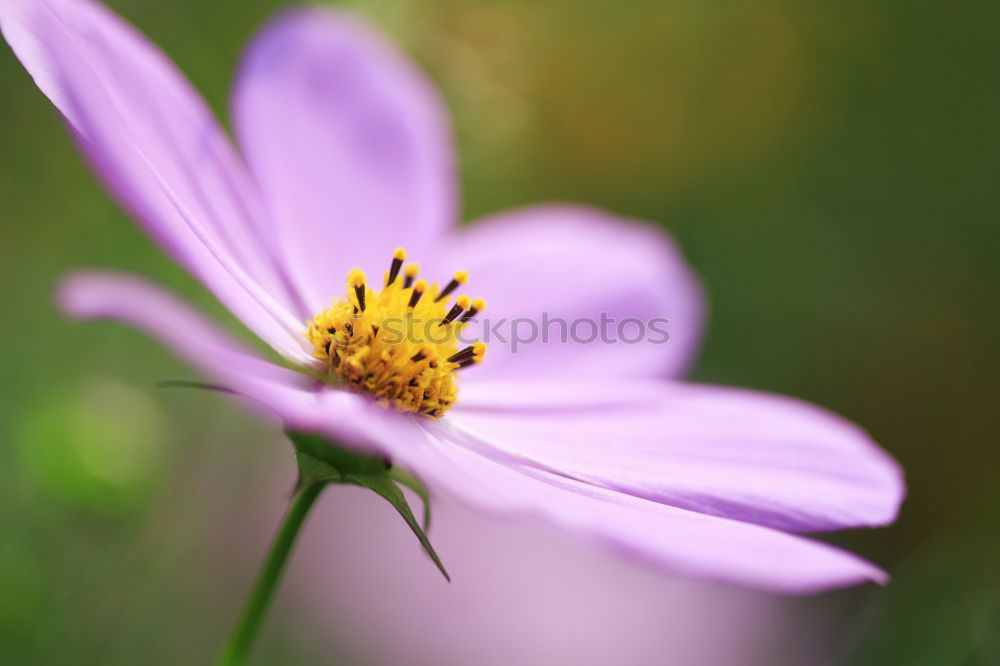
[386, 487]
[321, 461]
[405, 478]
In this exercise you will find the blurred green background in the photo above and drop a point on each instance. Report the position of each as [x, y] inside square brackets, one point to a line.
[829, 169]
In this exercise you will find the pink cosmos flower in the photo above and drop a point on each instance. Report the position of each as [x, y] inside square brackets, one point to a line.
[345, 155]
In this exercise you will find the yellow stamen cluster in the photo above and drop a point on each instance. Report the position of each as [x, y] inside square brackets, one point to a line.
[400, 344]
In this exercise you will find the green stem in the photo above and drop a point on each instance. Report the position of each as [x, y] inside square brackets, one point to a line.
[267, 582]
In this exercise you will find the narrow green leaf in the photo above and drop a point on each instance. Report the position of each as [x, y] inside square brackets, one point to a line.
[313, 470]
[405, 478]
[322, 461]
[385, 487]
[344, 460]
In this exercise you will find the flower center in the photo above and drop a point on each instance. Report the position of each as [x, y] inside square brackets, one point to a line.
[402, 344]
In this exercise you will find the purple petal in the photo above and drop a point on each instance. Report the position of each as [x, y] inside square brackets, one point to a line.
[291, 396]
[520, 594]
[349, 143]
[663, 536]
[575, 264]
[157, 147]
[739, 454]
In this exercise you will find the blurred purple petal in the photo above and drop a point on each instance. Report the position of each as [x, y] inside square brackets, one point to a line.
[739, 454]
[663, 536]
[575, 263]
[158, 148]
[350, 144]
[521, 593]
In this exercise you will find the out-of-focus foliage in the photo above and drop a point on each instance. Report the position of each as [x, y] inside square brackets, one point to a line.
[829, 169]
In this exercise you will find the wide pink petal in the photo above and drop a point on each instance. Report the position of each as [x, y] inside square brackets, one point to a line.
[157, 147]
[550, 264]
[660, 535]
[349, 144]
[740, 454]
